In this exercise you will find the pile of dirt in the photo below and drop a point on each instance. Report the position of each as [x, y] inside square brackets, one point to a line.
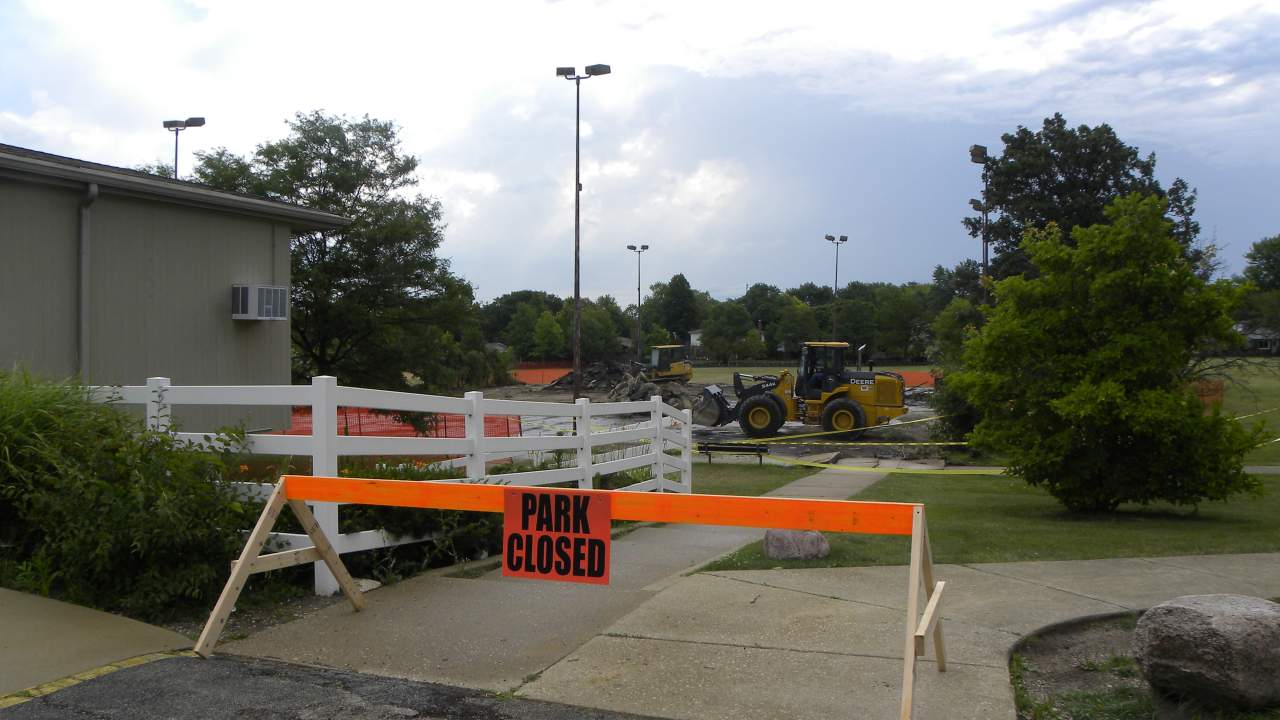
[602, 375]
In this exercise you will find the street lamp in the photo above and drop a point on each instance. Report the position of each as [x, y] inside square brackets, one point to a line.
[836, 282]
[978, 155]
[178, 126]
[569, 73]
[637, 251]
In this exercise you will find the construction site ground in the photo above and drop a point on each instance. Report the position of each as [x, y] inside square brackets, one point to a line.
[602, 379]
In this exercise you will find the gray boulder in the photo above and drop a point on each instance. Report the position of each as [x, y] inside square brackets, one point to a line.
[1218, 650]
[795, 545]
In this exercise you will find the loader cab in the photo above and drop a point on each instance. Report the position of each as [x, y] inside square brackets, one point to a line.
[662, 356]
[821, 369]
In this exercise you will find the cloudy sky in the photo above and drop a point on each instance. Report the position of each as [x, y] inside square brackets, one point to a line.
[730, 137]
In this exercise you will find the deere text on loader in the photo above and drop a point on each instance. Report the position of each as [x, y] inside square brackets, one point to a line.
[823, 392]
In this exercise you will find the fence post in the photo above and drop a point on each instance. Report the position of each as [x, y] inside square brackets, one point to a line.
[324, 463]
[475, 433]
[686, 452]
[159, 413]
[656, 468]
[586, 482]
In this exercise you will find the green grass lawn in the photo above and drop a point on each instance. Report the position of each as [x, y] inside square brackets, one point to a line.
[734, 479]
[724, 375]
[975, 519]
[1254, 390]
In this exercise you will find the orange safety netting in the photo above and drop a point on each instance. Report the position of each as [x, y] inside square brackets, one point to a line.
[364, 421]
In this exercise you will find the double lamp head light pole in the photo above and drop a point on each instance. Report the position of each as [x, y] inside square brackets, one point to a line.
[177, 126]
[978, 156]
[571, 73]
[835, 283]
[637, 251]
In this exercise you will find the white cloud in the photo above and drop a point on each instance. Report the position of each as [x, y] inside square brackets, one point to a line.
[473, 89]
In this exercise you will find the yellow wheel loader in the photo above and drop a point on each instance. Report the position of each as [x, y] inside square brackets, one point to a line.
[822, 392]
[669, 362]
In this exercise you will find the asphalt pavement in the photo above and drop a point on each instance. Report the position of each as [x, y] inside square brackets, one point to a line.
[234, 688]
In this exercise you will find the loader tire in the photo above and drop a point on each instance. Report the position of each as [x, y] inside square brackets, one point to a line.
[844, 415]
[759, 416]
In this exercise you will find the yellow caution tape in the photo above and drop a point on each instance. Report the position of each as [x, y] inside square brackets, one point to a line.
[784, 438]
[855, 443]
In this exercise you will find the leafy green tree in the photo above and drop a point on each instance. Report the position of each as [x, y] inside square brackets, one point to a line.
[796, 324]
[623, 325]
[902, 320]
[812, 294]
[679, 308]
[963, 281]
[1262, 266]
[599, 336]
[518, 334]
[159, 167]
[726, 325]
[751, 345]
[496, 316]
[548, 338]
[1067, 176]
[1081, 374]
[855, 322]
[951, 327]
[365, 298]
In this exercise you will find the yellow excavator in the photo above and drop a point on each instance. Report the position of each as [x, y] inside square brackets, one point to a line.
[669, 362]
[822, 392]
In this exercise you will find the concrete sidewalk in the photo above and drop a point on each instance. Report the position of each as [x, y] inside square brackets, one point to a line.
[497, 633]
[828, 643]
[43, 640]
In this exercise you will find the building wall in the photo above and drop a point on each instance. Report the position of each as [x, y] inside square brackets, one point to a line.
[160, 300]
[38, 278]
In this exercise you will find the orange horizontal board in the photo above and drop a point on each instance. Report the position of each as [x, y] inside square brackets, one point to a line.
[873, 518]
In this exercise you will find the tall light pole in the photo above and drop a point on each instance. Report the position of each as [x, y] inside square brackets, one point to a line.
[569, 73]
[177, 126]
[637, 251]
[835, 283]
[978, 155]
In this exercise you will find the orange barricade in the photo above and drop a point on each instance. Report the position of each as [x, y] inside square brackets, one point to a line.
[847, 516]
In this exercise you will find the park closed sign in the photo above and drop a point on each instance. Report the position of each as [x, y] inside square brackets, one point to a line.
[556, 534]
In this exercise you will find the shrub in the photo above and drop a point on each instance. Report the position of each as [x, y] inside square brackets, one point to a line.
[96, 509]
[1082, 374]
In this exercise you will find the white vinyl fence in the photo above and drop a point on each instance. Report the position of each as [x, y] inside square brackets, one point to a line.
[642, 444]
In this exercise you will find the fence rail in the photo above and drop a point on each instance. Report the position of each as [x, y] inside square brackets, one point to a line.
[648, 443]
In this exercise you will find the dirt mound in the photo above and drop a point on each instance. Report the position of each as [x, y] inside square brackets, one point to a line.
[602, 375]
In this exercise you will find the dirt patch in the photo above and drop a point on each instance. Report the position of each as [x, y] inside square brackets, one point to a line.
[258, 611]
[1085, 671]
[1086, 656]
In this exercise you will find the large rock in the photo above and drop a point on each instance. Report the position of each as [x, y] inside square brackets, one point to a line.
[795, 545]
[1219, 650]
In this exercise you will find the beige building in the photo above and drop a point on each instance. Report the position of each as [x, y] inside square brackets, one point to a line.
[114, 276]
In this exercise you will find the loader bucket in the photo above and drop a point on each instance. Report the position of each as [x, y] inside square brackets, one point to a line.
[712, 409]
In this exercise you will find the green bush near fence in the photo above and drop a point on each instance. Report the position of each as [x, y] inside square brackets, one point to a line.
[98, 510]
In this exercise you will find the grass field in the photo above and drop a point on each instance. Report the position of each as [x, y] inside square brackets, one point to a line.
[998, 519]
[724, 375]
[738, 479]
[1255, 390]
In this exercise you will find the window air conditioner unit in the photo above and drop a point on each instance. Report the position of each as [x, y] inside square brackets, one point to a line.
[258, 302]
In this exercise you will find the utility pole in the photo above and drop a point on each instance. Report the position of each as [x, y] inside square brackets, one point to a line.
[636, 340]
